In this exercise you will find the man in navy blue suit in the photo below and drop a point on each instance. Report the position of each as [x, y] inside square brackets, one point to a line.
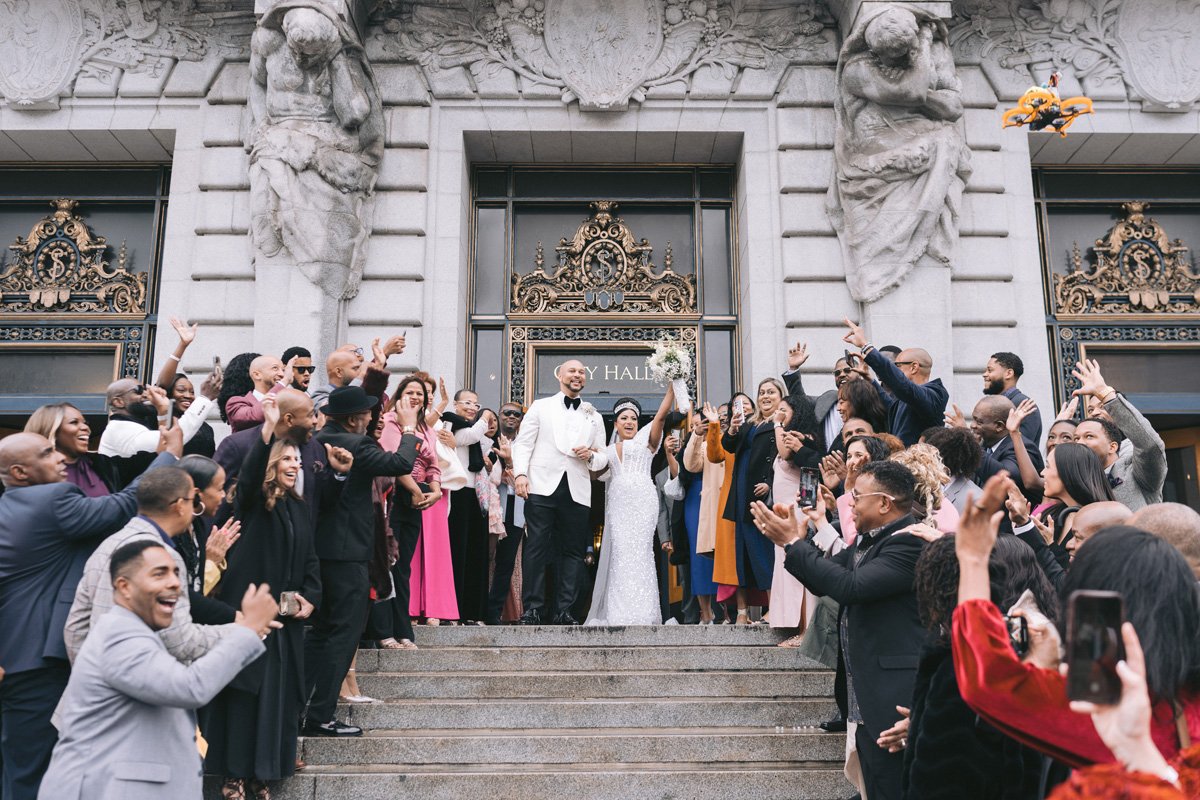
[48, 528]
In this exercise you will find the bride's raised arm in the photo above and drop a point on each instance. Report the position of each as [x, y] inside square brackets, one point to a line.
[656, 427]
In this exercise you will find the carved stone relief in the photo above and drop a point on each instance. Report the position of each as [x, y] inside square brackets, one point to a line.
[46, 45]
[1148, 50]
[602, 52]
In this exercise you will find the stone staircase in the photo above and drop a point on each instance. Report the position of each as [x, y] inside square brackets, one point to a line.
[556, 712]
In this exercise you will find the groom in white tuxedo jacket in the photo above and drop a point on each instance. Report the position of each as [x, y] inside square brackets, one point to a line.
[561, 438]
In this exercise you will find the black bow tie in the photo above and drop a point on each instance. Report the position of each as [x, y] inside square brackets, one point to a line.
[571, 402]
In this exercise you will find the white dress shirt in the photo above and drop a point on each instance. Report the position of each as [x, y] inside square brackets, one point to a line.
[124, 437]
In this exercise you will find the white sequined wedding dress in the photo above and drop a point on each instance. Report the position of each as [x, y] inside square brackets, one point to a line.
[626, 591]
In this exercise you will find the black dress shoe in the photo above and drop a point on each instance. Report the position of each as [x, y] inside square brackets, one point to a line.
[530, 618]
[835, 725]
[331, 728]
[565, 618]
[491, 622]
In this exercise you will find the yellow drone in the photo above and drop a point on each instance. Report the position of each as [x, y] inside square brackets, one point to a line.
[1041, 108]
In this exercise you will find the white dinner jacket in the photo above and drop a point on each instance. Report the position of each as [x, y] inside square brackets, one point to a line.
[542, 451]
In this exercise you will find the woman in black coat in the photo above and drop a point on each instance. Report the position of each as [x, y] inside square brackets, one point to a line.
[949, 752]
[252, 725]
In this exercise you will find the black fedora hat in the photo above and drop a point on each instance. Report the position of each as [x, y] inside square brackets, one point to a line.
[347, 400]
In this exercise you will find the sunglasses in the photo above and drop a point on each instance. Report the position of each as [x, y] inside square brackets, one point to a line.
[510, 412]
[139, 389]
[304, 370]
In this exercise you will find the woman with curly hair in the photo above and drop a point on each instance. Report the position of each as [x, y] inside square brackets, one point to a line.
[236, 381]
[252, 725]
[961, 455]
[929, 504]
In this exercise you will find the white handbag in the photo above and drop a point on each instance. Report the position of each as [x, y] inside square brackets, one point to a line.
[454, 476]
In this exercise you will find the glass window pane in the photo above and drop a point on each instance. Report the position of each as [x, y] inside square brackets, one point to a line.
[714, 225]
[489, 371]
[490, 279]
[1146, 370]
[546, 224]
[662, 224]
[1140, 185]
[716, 184]
[47, 182]
[43, 371]
[491, 183]
[602, 184]
[1070, 225]
[718, 365]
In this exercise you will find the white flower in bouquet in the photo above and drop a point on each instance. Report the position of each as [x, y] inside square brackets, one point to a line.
[671, 363]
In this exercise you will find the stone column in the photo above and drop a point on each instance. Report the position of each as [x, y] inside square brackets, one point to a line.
[900, 168]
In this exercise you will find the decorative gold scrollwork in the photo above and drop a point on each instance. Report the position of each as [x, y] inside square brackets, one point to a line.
[603, 268]
[1139, 270]
[60, 266]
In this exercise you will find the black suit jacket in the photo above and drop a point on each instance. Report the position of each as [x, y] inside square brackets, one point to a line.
[1005, 457]
[879, 605]
[346, 530]
[1031, 426]
[321, 488]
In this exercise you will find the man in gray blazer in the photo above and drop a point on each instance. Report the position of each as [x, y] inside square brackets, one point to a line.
[129, 721]
[1136, 474]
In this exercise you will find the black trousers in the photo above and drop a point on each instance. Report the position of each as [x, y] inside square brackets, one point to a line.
[330, 645]
[882, 771]
[406, 527]
[27, 701]
[557, 533]
[469, 553]
[506, 561]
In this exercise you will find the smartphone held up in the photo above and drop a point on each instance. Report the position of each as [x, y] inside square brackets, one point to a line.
[1094, 646]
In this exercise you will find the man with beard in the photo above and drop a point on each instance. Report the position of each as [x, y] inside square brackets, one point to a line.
[1000, 377]
[302, 367]
[135, 410]
[511, 415]
[322, 469]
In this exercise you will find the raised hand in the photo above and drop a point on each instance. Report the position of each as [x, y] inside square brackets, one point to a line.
[1087, 372]
[1018, 507]
[797, 356]
[171, 440]
[980, 522]
[157, 397]
[289, 371]
[1068, 410]
[394, 346]
[186, 335]
[955, 419]
[379, 358]
[408, 414]
[856, 336]
[816, 512]
[445, 395]
[1017, 415]
[211, 388]
[270, 411]
[340, 459]
[710, 414]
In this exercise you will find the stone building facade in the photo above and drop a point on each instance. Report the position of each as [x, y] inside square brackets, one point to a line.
[751, 87]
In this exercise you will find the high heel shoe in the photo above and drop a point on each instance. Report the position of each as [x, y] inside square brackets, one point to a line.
[233, 789]
[743, 617]
[260, 789]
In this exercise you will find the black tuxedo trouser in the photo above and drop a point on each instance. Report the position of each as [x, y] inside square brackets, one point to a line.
[506, 561]
[882, 771]
[27, 701]
[406, 527]
[557, 531]
[469, 553]
[337, 626]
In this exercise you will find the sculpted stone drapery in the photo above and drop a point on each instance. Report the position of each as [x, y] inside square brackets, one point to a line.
[316, 144]
[900, 162]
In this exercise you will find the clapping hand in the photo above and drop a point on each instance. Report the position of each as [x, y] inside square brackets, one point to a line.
[221, 539]
[779, 525]
[856, 336]
[833, 469]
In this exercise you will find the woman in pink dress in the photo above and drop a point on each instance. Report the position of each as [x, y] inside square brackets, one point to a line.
[419, 507]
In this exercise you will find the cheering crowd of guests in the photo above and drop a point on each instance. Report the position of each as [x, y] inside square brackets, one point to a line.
[886, 533]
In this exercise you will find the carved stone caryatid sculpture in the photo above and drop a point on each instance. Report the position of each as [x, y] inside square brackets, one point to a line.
[900, 163]
[316, 144]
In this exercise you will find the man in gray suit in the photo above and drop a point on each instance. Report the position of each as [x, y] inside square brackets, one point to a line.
[129, 721]
[1136, 474]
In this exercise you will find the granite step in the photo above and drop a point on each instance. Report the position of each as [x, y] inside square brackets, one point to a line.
[589, 780]
[598, 636]
[648, 683]
[581, 659]
[658, 745]
[571, 712]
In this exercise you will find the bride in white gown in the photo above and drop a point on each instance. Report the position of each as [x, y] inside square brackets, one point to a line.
[626, 591]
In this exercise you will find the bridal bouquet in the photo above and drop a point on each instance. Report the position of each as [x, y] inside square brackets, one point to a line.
[671, 363]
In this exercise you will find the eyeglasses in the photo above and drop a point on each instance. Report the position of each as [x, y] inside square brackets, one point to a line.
[511, 412]
[467, 403]
[855, 496]
[358, 351]
[304, 370]
[845, 371]
[906, 363]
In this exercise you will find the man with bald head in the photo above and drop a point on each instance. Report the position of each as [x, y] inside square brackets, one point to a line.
[561, 438]
[270, 375]
[1093, 518]
[346, 366]
[989, 423]
[48, 528]
[135, 410]
[1174, 523]
[915, 402]
[297, 422]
